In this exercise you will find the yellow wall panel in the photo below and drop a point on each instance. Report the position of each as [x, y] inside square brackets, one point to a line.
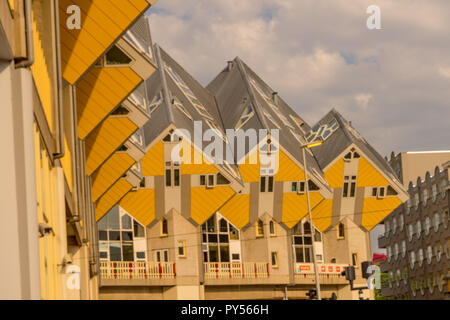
[250, 172]
[153, 161]
[288, 170]
[105, 140]
[375, 210]
[322, 214]
[188, 166]
[335, 174]
[42, 61]
[103, 21]
[111, 198]
[116, 166]
[368, 176]
[100, 92]
[205, 202]
[141, 205]
[295, 207]
[237, 210]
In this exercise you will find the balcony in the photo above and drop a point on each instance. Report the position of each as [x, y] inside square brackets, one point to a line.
[237, 273]
[137, 273]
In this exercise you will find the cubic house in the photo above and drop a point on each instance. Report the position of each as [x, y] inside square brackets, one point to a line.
[239, 229]
[417, 238]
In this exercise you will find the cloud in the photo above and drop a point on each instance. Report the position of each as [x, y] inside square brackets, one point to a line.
[391, 83]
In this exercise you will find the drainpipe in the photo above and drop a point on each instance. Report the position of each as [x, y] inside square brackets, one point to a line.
[60, 150]
[28, 62]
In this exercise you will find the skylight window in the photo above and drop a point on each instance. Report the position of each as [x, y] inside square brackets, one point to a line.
[275, 108]
[155, 103]
[245, 117]
[181, 107]
[188, 93]
[138, 44]
[268, 116]
[322, 131]
[115, 56]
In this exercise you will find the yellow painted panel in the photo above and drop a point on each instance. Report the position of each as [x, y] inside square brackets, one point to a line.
[368, 176]
[11, 4]
[153, 161]
[141, 205]
[66, 163]
[188, 166]
[250, 172]
[375, 210]
[116, 166]
[100, 92]
[102, 22]
[205, 202]
[111, 198]
[288, 170]
[105, 139]
[295, 207]
[322, 214]
[237, 210]
[42, 61]
[335, 174]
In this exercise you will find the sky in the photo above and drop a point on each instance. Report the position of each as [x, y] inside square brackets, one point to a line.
[393, 84]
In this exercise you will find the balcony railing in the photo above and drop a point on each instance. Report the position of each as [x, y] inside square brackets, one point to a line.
[137, 270]
[236, 270]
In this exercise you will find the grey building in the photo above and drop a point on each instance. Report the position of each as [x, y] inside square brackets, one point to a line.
[417, 241]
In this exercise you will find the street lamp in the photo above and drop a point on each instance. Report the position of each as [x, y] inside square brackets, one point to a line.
[313, 229]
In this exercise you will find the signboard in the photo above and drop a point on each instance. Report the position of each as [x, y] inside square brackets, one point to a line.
[308, 268]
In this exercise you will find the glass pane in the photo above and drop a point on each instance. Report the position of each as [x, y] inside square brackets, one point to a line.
[263, 184]
[127, 236]
[168, 178]
[212, 238]
[165, 229]
[212, 224]
[166, 256]
[103, 255]
[204, 238]
[140, 255]
[352, 189]
[299, 255]
[211, 180]
[298, 240]
[126, 222]
[306, 228]
[213, 253]
[224, 253]
[115, 252]
[345, 191]
[103, 235]
[203, 180]
[176, 174]
[223, 225]
[308, 240]
[181, 248]
[294, 187]
[308, 255]
[270, 187]
[128, 252]
[115, 56]
[223, 238]
[139, 231]
[158, 256]
[114, 236]
[234, 233]
[317, 236]
[103, 245]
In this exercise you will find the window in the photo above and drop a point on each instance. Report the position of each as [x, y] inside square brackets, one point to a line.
[116, 231]
[302, 242]
[217, 233]
[266, 184]
[402, 221]
[410, 231]
[436, 221]
[162, 255]
[181, 244]
[420, 256]
[396, 251]
[349, 187]
[259, 228]
[341, 231]
[221, 180]
[445, 216]
[394, 225]
[403, 248]
[355, 259]
[434, 191]
[429, 254]
[245, 117]
[172, 174]
[408, 205]
[120, 111]
[427, 225]
[418, 228]
[274, 256]
[181, 108]
[322, 132]
[157, 100]
[164, 228]
[412, 258]
[387, 227]
[114, 57]
[272, 227]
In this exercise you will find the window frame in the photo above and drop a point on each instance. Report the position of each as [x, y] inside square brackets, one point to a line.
[259, 226]
[161, 228]
[183, 245]
[272, 255]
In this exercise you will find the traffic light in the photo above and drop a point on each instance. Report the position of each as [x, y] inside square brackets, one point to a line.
[312, 294]
[349, 273]
[364, 267]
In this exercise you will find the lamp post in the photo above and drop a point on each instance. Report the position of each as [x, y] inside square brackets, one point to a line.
[313, 229]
